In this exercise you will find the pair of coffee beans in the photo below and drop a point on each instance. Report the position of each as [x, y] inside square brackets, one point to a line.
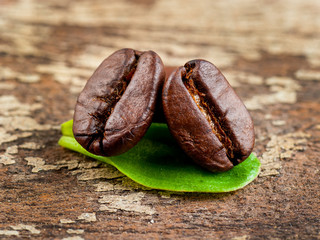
[203, 113]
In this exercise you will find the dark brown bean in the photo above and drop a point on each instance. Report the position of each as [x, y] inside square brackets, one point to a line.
[207, 118]
[117, 104]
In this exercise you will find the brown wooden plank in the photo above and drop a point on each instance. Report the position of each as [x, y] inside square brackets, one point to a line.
[269, 51]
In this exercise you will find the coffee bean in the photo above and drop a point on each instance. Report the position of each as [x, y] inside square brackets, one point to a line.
[206, 116]
[116, 106]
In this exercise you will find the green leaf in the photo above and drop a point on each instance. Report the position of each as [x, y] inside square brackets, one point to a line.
[157, 162]
[66, 128]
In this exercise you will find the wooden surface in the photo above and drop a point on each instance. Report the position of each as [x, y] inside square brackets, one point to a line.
[269, 51]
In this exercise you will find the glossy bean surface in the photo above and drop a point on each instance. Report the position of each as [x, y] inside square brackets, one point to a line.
[206, 116]
[117, 104]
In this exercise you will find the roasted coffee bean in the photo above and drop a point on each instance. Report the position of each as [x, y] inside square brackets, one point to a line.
[116, 106]
[206, 116]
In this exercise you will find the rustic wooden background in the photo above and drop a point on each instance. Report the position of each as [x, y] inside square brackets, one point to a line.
[270, 52]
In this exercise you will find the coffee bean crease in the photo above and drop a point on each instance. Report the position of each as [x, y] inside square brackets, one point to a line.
[117, 104]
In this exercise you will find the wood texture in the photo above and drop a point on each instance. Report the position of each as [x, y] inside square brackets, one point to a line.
[268, 50]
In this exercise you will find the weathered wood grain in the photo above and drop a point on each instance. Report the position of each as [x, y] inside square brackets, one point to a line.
[268, 50]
